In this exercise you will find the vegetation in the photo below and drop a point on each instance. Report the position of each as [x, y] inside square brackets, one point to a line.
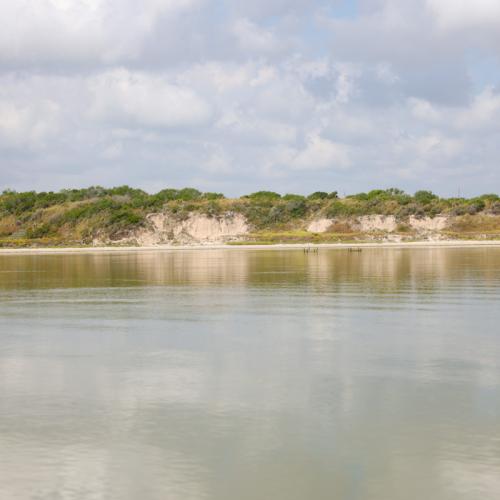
[299, 236]
[78, 216]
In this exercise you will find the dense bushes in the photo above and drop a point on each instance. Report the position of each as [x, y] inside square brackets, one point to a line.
[12, 202]
[94, 199]
[81, 213]
[263, 196]
[322, 195]
[424, 197]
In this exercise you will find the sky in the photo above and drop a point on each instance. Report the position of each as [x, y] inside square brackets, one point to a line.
[236, 96]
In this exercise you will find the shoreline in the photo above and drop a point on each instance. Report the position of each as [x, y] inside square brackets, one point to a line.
[278, 246]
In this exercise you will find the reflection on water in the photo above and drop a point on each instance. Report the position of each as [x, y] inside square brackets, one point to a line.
[236, 374]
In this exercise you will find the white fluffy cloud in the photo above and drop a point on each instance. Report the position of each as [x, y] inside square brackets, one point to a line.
[457, 14]
[250, 37]
[240, 96]
[483, 113]
[28, 124]
[78, 31]
[320, 153]
[149, 100]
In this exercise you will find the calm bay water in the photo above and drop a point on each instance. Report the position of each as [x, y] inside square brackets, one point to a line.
[245, 375]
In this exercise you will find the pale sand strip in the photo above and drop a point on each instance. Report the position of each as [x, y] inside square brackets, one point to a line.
[279, 246]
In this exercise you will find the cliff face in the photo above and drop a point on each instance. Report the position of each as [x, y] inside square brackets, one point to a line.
[163, 229]
[391, 228]
[231, 227]
[389, 224]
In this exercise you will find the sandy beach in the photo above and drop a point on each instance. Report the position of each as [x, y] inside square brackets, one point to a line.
[284, 246]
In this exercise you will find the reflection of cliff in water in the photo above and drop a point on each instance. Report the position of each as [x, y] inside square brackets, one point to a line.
[401, 270]
[381, 270]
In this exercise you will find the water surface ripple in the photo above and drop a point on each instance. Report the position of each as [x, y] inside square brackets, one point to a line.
[240, 374]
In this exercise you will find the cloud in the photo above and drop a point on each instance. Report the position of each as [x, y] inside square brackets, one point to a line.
[217, 161]
[484, 112]
[320, 153]
[458, 14]
[423, 110]
[148, 100]
[253, 38]
[79, 31]
[432, 144]
[262, 9]
[28, 124]
[277, 94]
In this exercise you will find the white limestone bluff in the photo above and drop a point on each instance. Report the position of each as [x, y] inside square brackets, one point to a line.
[195, 229]
[382, 223]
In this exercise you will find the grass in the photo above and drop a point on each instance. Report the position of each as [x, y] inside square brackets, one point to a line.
[298, 236]
[489, 235]
[36, 242]
[475, 223]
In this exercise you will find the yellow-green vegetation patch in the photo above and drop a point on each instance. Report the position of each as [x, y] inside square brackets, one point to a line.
[474, 227]
[299, 236]
[8, 225]
[484, 235]
[404, 228]
[35, 242]
[475, 223]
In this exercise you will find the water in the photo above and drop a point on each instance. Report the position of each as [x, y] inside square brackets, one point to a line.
[245, 375]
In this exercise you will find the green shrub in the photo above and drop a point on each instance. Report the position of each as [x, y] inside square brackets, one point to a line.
[212, 208]
[340, 209]
[38, 231]
[410, 209]
[188, 194]
[167, 195]
[296, 208]
[275, 215]
[17, 203]
[126, 218]
[424, 197]
[213, 196]
[293, 197]
[318, 195]
[264, 196]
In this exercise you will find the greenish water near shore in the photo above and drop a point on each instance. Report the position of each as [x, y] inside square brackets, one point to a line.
[251, 374]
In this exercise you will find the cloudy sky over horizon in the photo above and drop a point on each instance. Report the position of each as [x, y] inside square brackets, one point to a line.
[235, 96]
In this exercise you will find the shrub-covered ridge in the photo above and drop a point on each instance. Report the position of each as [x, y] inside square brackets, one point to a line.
[78, 216]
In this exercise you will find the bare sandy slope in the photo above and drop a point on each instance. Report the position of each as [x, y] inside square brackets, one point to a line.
[298, 246]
